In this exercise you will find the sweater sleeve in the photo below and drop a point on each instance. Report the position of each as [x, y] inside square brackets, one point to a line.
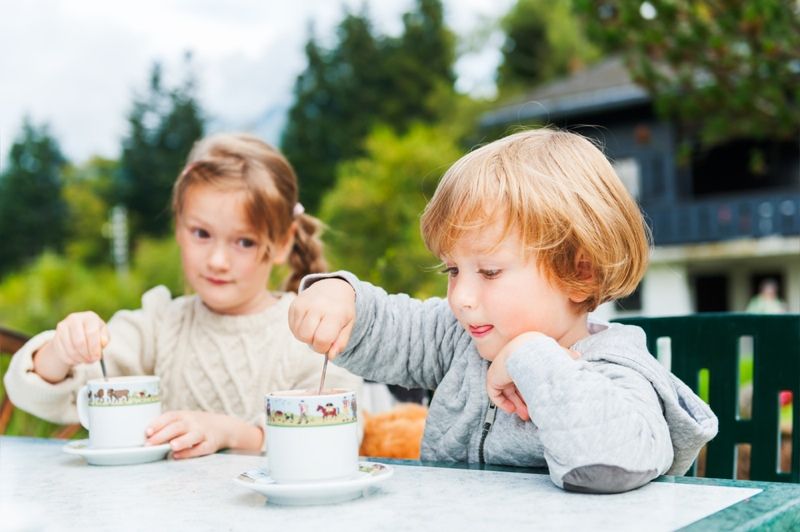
[601, 424]
[130, 351]
[397, 339]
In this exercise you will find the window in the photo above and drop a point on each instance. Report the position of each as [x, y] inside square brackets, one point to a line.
[630, 174]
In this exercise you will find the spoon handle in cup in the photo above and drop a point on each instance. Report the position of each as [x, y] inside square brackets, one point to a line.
[322, 380]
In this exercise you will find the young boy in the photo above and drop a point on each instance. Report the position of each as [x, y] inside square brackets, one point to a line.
[535, 231]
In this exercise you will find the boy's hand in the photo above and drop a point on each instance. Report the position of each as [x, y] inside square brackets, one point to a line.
[194, 433]
[79, 339]
[323, 315]
[501, 389]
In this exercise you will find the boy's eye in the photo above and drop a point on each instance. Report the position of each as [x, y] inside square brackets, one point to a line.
[490, 274]
[451, 271]
[247, 242]
[200, 233]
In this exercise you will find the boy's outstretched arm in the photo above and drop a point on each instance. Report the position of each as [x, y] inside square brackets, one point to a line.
[322, 315]
[394, 339]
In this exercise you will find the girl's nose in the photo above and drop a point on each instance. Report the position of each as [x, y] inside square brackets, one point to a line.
[219, 258]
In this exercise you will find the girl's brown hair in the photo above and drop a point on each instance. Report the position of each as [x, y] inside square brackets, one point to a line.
[561, 194]
[238, 161]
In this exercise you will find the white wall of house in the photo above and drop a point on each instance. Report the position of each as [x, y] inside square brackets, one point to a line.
[667, 287]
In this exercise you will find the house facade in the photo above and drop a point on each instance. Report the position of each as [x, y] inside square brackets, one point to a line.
[723, 220]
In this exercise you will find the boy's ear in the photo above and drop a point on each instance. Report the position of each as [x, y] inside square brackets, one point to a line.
[283, 251]
[584, 272]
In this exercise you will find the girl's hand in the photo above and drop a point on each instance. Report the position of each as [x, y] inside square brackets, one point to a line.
[322, 316]
[79, 339]
[193, 433]
[501, 389]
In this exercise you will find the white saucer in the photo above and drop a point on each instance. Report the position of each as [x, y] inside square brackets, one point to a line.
[323, 492]
[123, 456]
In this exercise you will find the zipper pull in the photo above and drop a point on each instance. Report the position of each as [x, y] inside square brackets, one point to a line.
[491, 413]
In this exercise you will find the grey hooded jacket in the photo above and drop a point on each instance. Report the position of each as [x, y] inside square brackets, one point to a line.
[610, 421]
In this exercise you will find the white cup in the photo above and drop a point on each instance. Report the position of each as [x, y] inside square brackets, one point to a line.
[312, 437]
[118, 410]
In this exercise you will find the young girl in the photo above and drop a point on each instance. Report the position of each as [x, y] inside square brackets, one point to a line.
[535, 230]
[218, 351]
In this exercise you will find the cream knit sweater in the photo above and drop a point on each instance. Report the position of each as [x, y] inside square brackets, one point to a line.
[206, 361]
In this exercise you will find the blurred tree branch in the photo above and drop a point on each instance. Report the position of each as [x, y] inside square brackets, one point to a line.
[722, 69]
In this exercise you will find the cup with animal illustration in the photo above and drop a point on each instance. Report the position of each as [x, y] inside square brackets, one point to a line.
[117, 411]
[311, 436]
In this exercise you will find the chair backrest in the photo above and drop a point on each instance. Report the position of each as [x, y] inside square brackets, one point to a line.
[712, 351]
[10, 342]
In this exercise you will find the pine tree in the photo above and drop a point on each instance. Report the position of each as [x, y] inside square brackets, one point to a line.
[163, 126]
[363, 81]
[33, 213]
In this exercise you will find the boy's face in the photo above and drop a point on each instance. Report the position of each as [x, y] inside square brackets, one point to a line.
[499, 295]
[222, 256]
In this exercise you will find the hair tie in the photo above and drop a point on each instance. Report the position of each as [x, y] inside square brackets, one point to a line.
[188, 168]
[298, 209]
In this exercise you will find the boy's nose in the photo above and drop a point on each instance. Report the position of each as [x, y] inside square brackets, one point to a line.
[463, 295]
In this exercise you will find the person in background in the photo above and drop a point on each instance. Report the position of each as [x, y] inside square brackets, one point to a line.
[766, 301]
[221, 349]
[534, 231]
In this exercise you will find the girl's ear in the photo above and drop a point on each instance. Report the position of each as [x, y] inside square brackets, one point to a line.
[282, 252]
[584, 272]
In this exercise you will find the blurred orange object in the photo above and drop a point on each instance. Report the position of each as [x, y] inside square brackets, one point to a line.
[396, 433]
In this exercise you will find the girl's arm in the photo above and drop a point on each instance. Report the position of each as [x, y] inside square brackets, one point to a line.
[130, 351]
[195, 433]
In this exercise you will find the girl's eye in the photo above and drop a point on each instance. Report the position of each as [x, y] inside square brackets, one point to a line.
[247, 242]
[200, 233]
[490, 274]
[451, 271]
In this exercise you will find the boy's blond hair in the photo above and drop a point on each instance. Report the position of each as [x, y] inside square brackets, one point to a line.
[560, 192]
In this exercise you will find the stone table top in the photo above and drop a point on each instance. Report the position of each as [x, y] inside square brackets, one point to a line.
[43, 488]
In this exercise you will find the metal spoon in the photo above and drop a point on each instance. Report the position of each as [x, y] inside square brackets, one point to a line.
[102, 361]
[103, 368]
[322, 380]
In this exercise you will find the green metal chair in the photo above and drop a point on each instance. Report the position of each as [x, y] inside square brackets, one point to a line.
[710, 351]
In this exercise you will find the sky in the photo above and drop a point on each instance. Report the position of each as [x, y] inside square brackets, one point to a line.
[77, 65]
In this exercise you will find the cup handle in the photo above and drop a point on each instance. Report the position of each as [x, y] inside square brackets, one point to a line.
[82, 403]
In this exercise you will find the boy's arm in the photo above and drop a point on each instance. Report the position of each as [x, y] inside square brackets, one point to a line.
[396, 339]
[601, 424]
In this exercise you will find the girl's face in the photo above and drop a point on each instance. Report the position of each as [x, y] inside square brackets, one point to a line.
[221, 254]
[499, 295]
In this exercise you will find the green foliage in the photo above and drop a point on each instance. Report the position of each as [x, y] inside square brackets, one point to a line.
[374, 209]
[362, 81]
[723, 69]
[86, 192]
[158, 261]
[163, 126]
[32, 212]
[37, 297]
[544, 40]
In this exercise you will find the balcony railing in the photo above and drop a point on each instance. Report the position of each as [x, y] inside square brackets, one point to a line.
[713, 220]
